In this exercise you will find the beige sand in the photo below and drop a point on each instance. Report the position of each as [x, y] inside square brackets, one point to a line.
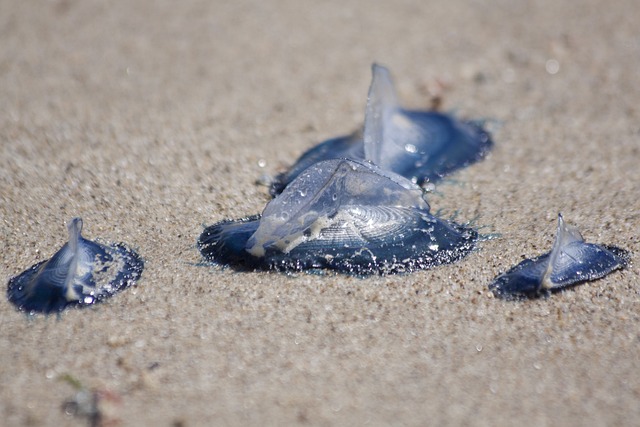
[150, 119]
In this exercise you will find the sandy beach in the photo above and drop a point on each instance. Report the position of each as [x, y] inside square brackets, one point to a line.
[151, 120]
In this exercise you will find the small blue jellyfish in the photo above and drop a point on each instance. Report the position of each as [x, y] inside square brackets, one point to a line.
[570, 262]
[81, 273]
[422, 146]
[340, 214]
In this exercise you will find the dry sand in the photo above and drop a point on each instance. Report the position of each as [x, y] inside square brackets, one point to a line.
[150, 119]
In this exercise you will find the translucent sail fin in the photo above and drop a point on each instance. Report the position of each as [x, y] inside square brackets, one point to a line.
[381, 104]
[75, 234]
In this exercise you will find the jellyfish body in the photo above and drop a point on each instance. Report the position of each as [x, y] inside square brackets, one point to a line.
[345, 215]
[81, 273]
[570, 262]
[422, 146]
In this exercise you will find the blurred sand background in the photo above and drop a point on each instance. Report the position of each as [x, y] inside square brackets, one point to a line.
[152, 119]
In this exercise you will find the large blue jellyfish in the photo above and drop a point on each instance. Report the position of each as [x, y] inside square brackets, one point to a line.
[422, 146]
[345, 215]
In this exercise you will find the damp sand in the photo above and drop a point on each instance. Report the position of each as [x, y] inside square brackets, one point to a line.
[151, 120]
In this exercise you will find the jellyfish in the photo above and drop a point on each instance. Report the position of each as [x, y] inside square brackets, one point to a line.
[81, 273]
[422, 146]
[570, 262]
